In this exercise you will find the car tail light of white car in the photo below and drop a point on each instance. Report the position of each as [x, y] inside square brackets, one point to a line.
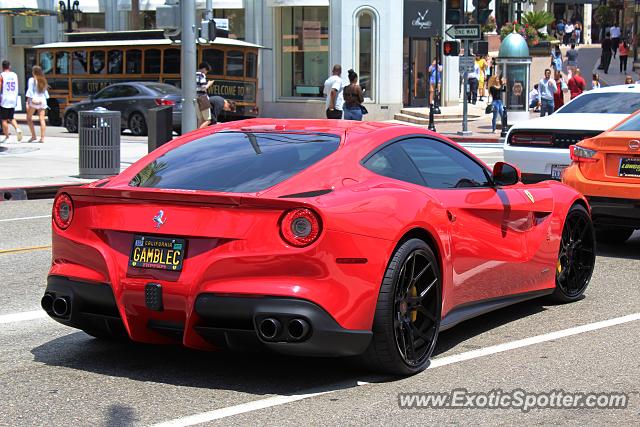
[582, 155]
[531, 139]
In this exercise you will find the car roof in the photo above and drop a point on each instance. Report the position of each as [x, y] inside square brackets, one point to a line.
[617, 88]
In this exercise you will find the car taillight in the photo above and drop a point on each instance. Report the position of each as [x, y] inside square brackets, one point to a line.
[582, 155]
[531, 139]
[162, 101]
[63, 211]
[300, 227]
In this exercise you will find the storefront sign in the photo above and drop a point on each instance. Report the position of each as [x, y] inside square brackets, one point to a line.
[422, 19]
[28, 30]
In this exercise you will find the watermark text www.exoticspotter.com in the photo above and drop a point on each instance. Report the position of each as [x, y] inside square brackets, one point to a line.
[515, 399]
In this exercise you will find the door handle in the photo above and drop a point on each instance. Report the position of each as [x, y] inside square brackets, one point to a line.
[451, 216]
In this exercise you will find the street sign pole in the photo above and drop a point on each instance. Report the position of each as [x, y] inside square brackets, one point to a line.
[188, 64]
[465, 106]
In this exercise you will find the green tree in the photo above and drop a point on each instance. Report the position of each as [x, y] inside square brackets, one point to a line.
[604, 15]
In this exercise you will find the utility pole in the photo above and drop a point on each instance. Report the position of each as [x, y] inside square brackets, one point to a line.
[465, 78]
[188, 64]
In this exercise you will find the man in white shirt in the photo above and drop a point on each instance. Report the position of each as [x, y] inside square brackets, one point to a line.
[615, 38]
[333, 91]
[472, 78]
[8, 100]
[568, 31]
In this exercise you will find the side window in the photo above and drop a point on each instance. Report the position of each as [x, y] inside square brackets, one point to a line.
[152, 61]
[126, 91]
[108, 92]
[252, 65]
[79, 64]
[134, 61]
[46, 62]
[235, 63]
[115, 62]
[393, 162]
[172, 61]
[97, 62]
[215, 59]
[443, 166]
[62, 62]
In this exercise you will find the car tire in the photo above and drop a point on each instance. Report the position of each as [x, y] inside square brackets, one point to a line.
[576, 256]
[71, 121]
[613, 236]
[395, 323]
[137, 124]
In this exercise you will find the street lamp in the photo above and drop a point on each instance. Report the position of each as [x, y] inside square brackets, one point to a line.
[70, 13]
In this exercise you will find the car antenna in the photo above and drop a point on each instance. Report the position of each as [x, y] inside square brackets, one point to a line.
[254, 142]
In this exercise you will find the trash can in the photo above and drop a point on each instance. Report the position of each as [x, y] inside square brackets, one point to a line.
[99, 133]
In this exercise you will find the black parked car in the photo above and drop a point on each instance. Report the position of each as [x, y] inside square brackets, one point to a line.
[133, 100]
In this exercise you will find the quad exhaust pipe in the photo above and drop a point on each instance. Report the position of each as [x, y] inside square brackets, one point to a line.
[47, 302]
[61, 307]
[269, 328]
[298, 328]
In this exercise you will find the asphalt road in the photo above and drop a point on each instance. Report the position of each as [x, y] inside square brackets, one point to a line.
[53, 375]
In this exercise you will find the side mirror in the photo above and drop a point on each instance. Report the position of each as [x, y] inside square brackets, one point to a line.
[505, 174]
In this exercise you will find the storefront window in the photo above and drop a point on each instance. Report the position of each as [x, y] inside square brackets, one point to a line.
[236, 21]
[91, 22]
[304, 51]
[365, 53]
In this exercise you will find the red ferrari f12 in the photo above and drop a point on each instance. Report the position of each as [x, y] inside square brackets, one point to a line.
[311, 237]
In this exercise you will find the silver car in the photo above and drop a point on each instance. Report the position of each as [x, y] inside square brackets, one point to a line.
[133, 100]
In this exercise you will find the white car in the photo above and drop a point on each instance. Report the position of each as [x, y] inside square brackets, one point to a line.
[540, 146]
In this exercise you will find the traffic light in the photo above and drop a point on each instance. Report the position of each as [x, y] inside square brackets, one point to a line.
[451, 48]
[481, 11]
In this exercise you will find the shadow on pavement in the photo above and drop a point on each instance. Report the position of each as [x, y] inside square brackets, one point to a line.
[628, 250]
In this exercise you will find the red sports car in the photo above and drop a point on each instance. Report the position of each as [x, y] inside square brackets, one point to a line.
[311, 237]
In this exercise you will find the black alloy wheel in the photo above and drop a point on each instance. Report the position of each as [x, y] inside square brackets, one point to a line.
[71, 121]
[577, 256]
[407, 317]
[137, 124]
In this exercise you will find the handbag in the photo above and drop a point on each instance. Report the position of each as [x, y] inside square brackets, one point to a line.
[203, 102]
[364, 109]
[489, 109]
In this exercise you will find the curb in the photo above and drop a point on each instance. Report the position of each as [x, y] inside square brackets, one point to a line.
[33, 192]
[468, 139]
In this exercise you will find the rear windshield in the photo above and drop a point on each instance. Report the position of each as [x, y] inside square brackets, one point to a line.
[236, 162]
[604, 103]
[164, 89]
[632, 124]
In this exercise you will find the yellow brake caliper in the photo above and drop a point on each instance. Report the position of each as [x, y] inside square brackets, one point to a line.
[414, 313]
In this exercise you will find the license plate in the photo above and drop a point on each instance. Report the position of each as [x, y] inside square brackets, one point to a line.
[161, 253]
[556, 171]
[630, 167]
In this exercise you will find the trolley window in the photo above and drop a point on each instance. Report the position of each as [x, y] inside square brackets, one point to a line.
[252, 65]
[79, 62]
[171, 61]
[46, 62]
[215, 59]
[152, 61]
[235, 63]
[62, 62]
[115, 62]
[97, 58]
[134, 61]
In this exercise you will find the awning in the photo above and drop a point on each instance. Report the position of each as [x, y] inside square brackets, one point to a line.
[26, 7]
[153, 4]
[281, 3]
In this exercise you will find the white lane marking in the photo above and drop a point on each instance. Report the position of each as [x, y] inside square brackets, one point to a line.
[22, 317]
[435, 363]
[25, 218]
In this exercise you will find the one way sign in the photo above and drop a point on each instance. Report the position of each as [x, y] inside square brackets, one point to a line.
[464, 32]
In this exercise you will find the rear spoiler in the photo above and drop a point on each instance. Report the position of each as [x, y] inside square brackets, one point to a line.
[181, 197]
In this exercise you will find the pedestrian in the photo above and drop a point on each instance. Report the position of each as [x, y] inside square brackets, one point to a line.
[558, 96]
[547, 88]
[572, 59]
[333, 88]
[435, 73]
[203, 105]
[578, 32]
[534, 98]
[623, 47]
[556, 59]
[37, 96]
[218, 105]
[472, 77]
[353, 98]
[568, 32]
[9, 100]
[576, 84]
[628, 80]
[615, 37]
[607, 47]
[496, 87]
[595, 81]
[482, 71]
[560, 30]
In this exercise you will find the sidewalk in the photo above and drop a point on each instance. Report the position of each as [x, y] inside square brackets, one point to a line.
[39, 169]
[615, 77]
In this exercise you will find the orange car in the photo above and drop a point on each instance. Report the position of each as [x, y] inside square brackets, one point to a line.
[606, 169]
